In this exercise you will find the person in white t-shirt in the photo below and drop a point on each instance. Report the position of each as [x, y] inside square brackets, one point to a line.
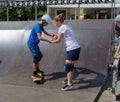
[72, 49]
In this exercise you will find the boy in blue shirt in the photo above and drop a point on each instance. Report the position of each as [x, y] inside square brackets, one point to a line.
[34, 39]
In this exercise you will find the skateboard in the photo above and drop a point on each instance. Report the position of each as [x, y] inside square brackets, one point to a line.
[39, 80]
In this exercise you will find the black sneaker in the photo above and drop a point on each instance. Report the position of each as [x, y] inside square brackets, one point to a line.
[36, 76]
[67, 87]
[64, 81]
[40, 71]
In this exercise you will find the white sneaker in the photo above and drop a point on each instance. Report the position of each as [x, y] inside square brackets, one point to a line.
[67, 87]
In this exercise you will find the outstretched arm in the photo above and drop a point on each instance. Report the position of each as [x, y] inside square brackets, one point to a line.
[58, 39]
[49, 34]
[42, 38]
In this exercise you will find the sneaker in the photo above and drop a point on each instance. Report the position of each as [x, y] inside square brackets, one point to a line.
[40, 71]
[35, 76]
[64, 81]
[67, 87]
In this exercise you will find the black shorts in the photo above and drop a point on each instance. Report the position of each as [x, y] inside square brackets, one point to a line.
[73, 55]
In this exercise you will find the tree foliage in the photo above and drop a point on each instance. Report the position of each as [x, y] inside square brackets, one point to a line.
[21, 13]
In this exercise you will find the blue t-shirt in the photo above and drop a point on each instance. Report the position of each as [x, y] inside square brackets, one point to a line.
[33, 39]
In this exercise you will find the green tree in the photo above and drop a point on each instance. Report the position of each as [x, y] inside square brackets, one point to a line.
[3, 14]
[21, 13]
[41, 10]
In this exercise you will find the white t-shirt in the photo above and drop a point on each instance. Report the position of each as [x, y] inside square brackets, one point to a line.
[69, 36]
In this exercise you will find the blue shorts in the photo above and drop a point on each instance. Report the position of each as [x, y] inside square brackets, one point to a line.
[73, 55]
[36, 53]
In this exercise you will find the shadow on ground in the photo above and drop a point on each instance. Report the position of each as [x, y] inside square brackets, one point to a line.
[83, 78]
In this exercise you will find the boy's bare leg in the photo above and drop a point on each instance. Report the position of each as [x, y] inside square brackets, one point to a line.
[35, 69]
[70, 78]
[70, 74]
[35, 66]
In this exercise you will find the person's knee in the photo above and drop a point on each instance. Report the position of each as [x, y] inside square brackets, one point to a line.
[68, 67]
[36, 60]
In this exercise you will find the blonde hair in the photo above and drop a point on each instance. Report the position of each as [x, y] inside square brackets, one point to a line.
[59, 17]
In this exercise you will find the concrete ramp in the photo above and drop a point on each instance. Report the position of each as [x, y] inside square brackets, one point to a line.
[94, 37]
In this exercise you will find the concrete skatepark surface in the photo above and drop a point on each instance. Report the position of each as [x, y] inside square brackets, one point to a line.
[15, 69]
